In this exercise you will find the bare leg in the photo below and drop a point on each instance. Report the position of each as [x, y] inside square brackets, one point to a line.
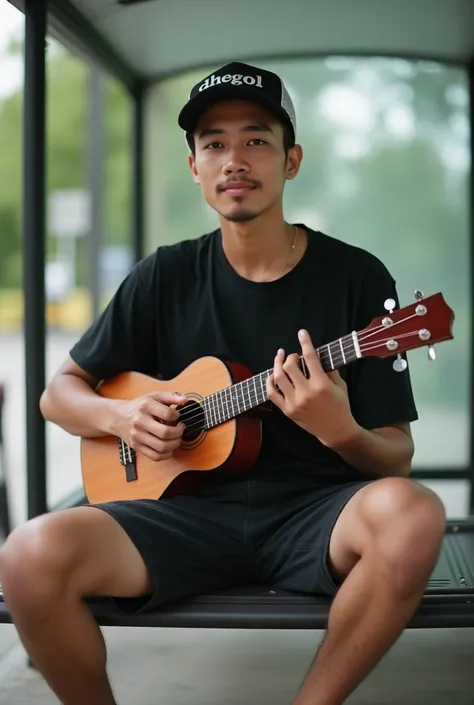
[47, 567]
[387, 540]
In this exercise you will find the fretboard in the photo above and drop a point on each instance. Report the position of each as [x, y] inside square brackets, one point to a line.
[232, 401]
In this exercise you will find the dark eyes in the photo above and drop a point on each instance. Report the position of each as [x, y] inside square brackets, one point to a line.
[254, 142]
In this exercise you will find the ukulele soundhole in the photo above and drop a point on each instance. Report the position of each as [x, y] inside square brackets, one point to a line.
[193, 416]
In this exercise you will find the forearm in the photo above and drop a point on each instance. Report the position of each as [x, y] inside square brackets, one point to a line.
[71, 403]
[378, 453]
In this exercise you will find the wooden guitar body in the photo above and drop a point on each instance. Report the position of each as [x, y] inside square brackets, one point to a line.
[230, 447]
[224, 402]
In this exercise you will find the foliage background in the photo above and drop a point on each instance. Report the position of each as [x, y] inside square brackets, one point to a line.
[386, 167]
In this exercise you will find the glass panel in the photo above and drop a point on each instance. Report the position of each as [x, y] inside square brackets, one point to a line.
[386, 166]
[82, 157]
[455, 495]
[89, 163]
[12, 460]
[117, 251]
[68, 225]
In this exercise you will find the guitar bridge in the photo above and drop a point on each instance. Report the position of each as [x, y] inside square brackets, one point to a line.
[128, 460]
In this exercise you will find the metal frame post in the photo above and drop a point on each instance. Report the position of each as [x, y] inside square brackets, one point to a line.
[96, 186]
[34, 247]
[138, 200]
[470, 78]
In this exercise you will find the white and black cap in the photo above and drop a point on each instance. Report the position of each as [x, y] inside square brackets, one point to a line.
[241, 82]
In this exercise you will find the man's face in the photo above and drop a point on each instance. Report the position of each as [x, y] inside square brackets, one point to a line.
[240, 161]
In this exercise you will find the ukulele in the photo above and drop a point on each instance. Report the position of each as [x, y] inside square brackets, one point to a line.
[222, 413]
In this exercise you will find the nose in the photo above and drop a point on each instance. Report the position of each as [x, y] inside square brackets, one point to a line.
[235, 163]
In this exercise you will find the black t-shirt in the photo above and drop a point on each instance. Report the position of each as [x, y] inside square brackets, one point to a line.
[186, 301]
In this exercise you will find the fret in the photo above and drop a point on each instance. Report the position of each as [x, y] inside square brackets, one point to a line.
[231, 412]
[232, 401]
[209, 411]
[342, 350]
[262, 379]
[206, 412]
[247, 404]
[238, 390]
[226, 404]
[212, 403]
[217, 406]
[324, 358]
[225, 396]
[328, 346]
[336, 354]
[241, 392]
[244, 388]
[236, 398]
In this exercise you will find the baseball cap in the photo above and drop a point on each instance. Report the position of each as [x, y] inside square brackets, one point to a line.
[243, 82]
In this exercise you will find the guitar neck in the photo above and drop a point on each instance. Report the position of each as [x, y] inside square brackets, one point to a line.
[239, 398]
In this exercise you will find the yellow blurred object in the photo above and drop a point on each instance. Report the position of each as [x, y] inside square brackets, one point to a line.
[11, 309]
[73, 314]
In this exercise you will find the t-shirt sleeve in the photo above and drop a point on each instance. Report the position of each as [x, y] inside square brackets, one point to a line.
[124, 337]
[379, 395]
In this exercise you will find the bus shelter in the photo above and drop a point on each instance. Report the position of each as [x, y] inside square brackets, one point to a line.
[144, 43]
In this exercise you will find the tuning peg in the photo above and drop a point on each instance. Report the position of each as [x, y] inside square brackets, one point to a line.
[389, 305]
[431, 353]
[419, 296]
[400, 364]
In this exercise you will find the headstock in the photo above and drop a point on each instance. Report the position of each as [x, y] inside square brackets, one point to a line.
[423, 323]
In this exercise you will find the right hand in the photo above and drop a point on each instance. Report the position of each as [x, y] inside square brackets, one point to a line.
[148, 424]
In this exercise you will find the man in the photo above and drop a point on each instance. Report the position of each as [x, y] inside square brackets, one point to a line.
[328, 507]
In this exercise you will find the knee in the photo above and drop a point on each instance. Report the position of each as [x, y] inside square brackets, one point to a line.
[408, 519]
[34, 564]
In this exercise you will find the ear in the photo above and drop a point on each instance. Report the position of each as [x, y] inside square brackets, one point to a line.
[192, 167]
[293, 162]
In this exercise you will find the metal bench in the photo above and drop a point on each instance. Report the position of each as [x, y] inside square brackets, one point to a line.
[448, 600]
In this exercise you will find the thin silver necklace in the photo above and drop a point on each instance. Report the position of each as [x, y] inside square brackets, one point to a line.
[292, 249]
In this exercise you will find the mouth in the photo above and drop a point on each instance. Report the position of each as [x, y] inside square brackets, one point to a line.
[238, 191]
[238, 188]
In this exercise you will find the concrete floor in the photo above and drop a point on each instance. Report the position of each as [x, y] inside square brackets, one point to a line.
[212, 667]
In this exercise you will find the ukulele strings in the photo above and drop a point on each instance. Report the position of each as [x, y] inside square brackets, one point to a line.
[192, 415]
[324, 349]
[372, 331]
[199, 416]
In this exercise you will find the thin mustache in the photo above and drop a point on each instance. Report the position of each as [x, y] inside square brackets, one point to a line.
[229, 182]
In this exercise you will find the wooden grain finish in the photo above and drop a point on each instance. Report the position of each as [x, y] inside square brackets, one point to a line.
[232, 446]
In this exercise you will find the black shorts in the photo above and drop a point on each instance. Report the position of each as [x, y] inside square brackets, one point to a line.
[242, 532]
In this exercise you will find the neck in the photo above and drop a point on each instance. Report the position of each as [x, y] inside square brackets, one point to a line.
[259, 249]
[239, 398]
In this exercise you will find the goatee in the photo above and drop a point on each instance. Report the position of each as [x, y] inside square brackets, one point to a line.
[244, 217]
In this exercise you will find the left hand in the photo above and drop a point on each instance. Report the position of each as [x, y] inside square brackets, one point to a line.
[320, 404]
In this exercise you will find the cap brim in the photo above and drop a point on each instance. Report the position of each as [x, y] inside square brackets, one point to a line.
[193, 111]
